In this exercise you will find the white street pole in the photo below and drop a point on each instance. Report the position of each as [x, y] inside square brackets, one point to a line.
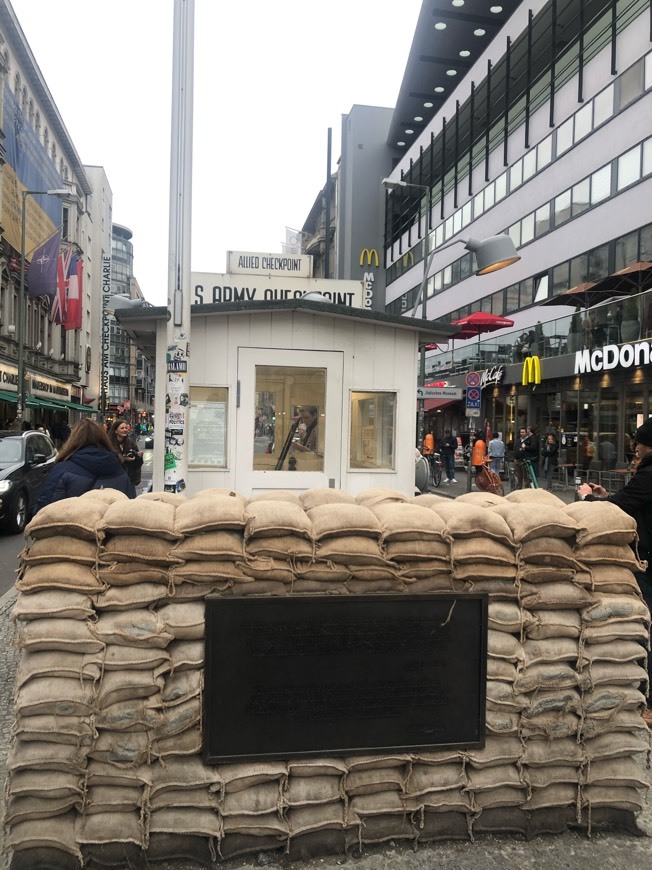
[177, 385]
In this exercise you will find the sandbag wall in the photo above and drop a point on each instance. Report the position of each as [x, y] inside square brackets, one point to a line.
[106, 761]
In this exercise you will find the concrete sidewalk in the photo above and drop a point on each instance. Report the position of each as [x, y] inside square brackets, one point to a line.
[452, 490]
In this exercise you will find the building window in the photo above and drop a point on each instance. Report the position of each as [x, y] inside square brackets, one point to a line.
[629, 167]
[562, 207]
[601, 185]
[542, 220]
[630, 84]
[564, 136]
[544, 153]
[541, 287]
[37, 124]
[373, 424]
[581, 196]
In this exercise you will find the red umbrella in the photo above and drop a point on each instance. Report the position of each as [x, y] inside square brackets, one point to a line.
[482, 321]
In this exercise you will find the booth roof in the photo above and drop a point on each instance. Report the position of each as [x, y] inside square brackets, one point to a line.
[140, 323]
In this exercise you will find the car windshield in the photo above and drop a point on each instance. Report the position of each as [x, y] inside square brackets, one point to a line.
[9, 450]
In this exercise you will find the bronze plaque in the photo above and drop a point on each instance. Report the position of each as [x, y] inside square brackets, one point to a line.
[316, 675]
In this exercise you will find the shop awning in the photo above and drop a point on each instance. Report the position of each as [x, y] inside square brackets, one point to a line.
[75, 406]
[438, 404]
[34, 402]
[8, 397]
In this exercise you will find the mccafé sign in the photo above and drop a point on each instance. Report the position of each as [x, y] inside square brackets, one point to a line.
[611, 356]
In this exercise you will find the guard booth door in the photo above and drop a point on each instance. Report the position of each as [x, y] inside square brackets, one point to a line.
[289, 419]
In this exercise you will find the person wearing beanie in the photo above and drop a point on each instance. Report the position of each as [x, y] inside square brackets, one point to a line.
[635, 498]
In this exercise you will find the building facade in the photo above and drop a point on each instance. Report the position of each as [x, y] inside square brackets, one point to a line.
[541, 128]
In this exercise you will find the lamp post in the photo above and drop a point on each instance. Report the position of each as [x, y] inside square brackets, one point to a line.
[491, 254]
[20, 388]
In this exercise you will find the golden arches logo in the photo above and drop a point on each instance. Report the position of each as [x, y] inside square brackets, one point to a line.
[531, 373]
[408, 259]
[370, 255]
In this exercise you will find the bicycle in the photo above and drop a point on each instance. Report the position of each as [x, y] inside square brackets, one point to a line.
[488, 481]
[435, 464]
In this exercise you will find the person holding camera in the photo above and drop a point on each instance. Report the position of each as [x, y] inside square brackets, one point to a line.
[127, 449]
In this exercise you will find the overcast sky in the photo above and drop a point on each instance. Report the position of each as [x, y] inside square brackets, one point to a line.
[271, 77]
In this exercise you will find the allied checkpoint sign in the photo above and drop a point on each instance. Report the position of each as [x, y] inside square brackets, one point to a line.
[315, 675]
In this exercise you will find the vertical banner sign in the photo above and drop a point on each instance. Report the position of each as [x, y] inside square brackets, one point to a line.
[106, 336]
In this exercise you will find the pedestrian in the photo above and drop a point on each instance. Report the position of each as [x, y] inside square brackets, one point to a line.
[635, 498]
[550, 455]
[535, 449]
[478, 454]
[496, 451]
[309, 423]
[525, 448]
[86, 461]
[448, 446]
[127, 449]
[428, 444]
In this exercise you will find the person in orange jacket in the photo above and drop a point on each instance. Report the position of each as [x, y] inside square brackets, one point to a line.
[478, 454]
[428, 444]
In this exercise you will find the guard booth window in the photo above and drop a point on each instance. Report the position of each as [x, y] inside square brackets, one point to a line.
[373, 423]
[289, 428]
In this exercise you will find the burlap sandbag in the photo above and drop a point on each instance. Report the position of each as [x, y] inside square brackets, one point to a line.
[311, 498]
[126, 574]
[34, 755]
[380, 495]
[621, 722]
[500, 590]
[137, 596]
[482, 779]
[134, 714]
[182, 686]
[613, 579]
[74, 517]
[131, 628]
[501, 645]
[140, 517]
[436, 571]
[265, 568]
[215, 572]
[428, 499]
[175, 720]
[467, 520]
[345, 520]
[58, 603]
[276, 495]
[541, 753]
[282, 547]
[265, 797]
[532, 573]
[534, 497]
[600, 522]
[562, 595]
[375, 780]
[548, 676]
[306, 791]
[47, 663]
[186, 654]
[183, 773]
[122, 748]
[59, 575]
[133, 658]
[57, 697]
[552, 649]
[238, 776]
[613, 651]
[605, 632]
[39, 783]
[173, 498]
[508, 616]
[67, 635]
[112, 799]
[479, 499]
[199, 797]
[614, 609]
[105, 494]
[102, 773]
[414, 551]
[607, 554]
[502, 723]
[110, 828]
[544, 521]
[408, 522]
[554, 623]
[501, 696]
[607, 700]
[621, 744]
[308, 767]
[188, 590]
[495, 751]
[60, 548]
[503, 796]
[548, 551]
[557, 795]
[603, 673]
[500, 573]
[424, 778]
[372, 581]
[351, 550]
[50, 834]
[183, 621]
[322, 571]
[622, 798]
[220, 545]
[566, 700]
[269, 519]
[22, 809]
[464, 550]
[137, 548]
[124, 685]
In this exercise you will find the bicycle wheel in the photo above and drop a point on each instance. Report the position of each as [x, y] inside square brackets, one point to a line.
[436, 474]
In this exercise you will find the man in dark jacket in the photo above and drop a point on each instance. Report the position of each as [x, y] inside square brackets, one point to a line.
[86, 461]
[448, 446]
[635, 498]
[526, 446]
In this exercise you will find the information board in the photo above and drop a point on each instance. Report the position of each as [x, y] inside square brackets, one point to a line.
[313, 675]
[207, 422]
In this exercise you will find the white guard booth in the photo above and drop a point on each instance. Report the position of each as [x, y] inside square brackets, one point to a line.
[291, 395]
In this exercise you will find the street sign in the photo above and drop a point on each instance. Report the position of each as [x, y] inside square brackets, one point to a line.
[473, 396]
[472, 379]
[439, 392]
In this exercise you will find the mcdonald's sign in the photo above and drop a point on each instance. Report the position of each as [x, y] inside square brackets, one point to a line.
[370, 255]
[408, 259]
[531, 373]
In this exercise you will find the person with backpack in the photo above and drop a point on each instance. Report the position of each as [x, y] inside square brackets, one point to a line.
[86, 461]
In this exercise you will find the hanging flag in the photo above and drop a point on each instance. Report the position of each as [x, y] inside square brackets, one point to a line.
[73, 313]
[43, 272]
[58, 312]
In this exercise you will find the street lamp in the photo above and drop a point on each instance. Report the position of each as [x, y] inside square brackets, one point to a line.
[491, 254]
[20, 390]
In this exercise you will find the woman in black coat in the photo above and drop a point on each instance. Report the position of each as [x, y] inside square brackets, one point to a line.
[127, 449]
[550, 457]
[86, 461]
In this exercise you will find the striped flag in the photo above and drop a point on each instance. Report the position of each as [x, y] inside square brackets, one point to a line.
[58, 313]
[73, 316]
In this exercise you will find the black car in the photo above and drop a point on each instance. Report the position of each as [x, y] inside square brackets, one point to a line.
[25, 459]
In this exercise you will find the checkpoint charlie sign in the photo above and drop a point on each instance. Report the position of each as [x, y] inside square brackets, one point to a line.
[254, 263]
[215, 288]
